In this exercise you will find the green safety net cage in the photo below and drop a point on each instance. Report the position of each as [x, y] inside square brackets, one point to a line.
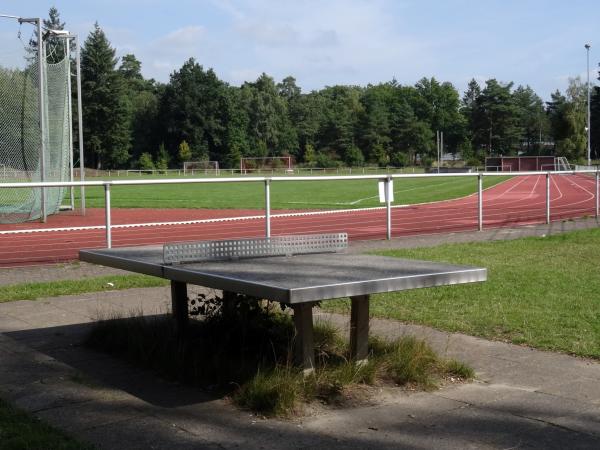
[24, 138]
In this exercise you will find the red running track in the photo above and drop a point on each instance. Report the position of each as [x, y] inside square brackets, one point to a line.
[518, 201]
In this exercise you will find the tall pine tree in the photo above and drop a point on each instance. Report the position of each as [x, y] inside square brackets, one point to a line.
[105, 112]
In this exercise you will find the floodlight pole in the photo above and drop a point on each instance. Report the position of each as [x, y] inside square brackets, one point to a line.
[589, 129]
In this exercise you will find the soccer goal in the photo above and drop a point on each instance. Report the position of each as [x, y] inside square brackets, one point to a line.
[266, 163]
[205, 167]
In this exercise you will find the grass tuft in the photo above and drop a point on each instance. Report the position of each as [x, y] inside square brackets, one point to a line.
[458, 369]
[274, 393]
[411, 361]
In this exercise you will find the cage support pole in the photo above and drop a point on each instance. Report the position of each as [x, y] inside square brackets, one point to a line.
[80, 123]
[41, 62]
[70, 107]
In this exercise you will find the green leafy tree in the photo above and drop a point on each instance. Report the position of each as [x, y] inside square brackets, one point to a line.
[595, 122]
[55, 46]
[106, 116]
[495, 119]
[573, 121]
[185, 153]
[162, 158]
[145, 162]
[194, 108]
[310, 156]
[532, 119]
[142, 100]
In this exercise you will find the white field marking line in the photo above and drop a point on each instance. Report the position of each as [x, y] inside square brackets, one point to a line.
[356, 202]
[560, 194]
[591, 195]
[533, 188]
[508, 202]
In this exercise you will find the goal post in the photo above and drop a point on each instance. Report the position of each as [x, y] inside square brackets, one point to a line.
[206, 166]
[272, 163]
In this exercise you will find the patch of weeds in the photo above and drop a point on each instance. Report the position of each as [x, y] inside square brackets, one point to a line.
[243, 347]
[275, 392]
[19, 430]
[457, 369]
[410, 360]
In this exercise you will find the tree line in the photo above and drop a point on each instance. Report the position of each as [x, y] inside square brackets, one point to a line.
[133, 122]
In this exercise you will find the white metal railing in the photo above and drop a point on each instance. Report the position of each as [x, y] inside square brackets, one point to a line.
[258, 171]
[386, 179]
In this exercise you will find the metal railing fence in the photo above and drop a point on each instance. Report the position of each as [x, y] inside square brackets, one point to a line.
[267, 181]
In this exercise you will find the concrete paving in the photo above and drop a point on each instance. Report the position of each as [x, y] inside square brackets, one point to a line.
[522, 398]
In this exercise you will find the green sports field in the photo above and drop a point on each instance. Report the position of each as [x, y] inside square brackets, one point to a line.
[285, 195]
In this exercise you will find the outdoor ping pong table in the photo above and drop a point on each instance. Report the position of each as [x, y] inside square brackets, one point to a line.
[297, 274]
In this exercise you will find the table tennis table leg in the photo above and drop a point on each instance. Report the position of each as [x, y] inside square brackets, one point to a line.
[305, 350]
[359, 328]
[179, 305]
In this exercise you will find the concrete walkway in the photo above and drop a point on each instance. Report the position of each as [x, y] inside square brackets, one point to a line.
[522, 398]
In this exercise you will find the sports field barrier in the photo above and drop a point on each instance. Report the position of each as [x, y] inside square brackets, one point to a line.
[386, 179]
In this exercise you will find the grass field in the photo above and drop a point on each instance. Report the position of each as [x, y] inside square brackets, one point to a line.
[542, 292]
[286, 195]
[32, 291]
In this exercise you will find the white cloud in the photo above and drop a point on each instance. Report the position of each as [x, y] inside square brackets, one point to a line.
[182, 39]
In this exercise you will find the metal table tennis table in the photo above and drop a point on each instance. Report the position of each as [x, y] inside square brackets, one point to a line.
[297, 280]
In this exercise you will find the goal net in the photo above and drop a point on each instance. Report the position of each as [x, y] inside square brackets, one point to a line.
[271, 163]
[206, 167]
[35, 121]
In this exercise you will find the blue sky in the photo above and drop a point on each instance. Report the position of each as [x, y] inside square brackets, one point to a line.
[535, 42]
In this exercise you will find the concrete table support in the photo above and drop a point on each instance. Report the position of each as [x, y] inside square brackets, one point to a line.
[179, 305]
[229, 302]
[303, 322]
[359, 329]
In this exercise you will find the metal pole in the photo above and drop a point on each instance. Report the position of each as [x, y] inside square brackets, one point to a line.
[441, 149]
[480, 201]
[70, 108]
[597, 192]
[42, 118]
[107, 215]
[437, 147]
[388, 207]
[80, 124]
[548, 198]
[589, 130]
[268, 208]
